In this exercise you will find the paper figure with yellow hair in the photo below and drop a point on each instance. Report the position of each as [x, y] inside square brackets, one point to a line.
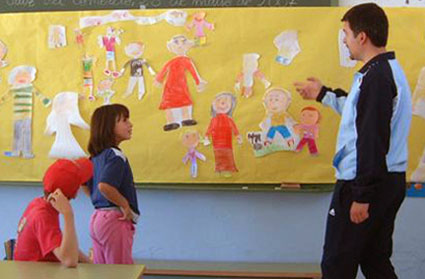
[190, 140]
[199, 23]
[277, 127]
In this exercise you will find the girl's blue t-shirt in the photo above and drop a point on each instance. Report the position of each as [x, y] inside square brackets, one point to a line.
[111, 166]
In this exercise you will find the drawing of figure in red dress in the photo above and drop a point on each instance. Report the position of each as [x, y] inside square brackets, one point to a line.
[176, 99]
[221, 131]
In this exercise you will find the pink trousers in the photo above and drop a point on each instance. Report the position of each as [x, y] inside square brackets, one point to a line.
[112, 238]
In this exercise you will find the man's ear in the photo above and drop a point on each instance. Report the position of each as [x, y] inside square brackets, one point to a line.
[362, 37]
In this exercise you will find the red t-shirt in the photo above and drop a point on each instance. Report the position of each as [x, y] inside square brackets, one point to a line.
[38, 233]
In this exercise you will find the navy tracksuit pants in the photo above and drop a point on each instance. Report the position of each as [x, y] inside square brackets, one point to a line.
[369, 244]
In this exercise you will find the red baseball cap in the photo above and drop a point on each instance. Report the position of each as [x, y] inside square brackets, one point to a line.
[67, 175]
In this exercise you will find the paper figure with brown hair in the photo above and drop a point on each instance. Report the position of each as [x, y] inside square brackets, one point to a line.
[176, 99]
[308, 129]
[221, 130]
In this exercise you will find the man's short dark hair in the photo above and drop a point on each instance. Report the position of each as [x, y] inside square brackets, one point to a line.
[371, 19]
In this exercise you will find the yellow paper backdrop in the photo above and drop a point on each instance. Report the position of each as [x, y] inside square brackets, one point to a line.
[155, 155]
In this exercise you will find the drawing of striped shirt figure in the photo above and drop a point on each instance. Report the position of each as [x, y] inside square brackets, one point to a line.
[22, 92]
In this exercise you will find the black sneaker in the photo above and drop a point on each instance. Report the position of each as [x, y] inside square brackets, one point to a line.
[189, 122]
[171, 126]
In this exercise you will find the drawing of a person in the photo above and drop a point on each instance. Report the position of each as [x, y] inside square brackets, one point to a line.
[176, 96]
[57, 36]
[79, 37]
[276, 102]
[109, 41]
[104, 90]
[199, 23]
[308, 129]
[190, 140]
[249, 71]
[135, 51]
[3, 52]
[221, 130]
[64, 113]
[22, 91]
[88, 62]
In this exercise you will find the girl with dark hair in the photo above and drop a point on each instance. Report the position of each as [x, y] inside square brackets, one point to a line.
[112, 190]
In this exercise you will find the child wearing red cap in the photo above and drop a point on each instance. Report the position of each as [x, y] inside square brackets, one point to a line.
[39, 235]
[112, 190]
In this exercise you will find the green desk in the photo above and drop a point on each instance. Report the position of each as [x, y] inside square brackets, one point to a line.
[43, 270]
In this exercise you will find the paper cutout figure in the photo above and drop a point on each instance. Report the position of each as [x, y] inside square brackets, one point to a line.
[104, 90]
[173, 17]
[57, 36]
[176, 97]
[416, 190]
[344, 52]
[64, 114]
[277, 102]
[199, 23]
[287, 46]
[109, 41]
[79, 37]
[220, 130]
[418, 99]
[308, 129]
[418, 102]
[3, 52]
[114, 16]
[418, 175]
[88, 63]
[190, 140]
[135, 50]
[22, 91]
[277, 127]
[249, 71]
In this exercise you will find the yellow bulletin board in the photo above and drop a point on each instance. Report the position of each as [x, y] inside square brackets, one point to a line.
[155, 155]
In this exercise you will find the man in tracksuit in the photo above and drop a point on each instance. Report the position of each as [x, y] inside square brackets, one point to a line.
[371, 152]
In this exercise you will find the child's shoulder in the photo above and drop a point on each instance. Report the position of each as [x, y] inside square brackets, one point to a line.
[114, 152]
[108, 154]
